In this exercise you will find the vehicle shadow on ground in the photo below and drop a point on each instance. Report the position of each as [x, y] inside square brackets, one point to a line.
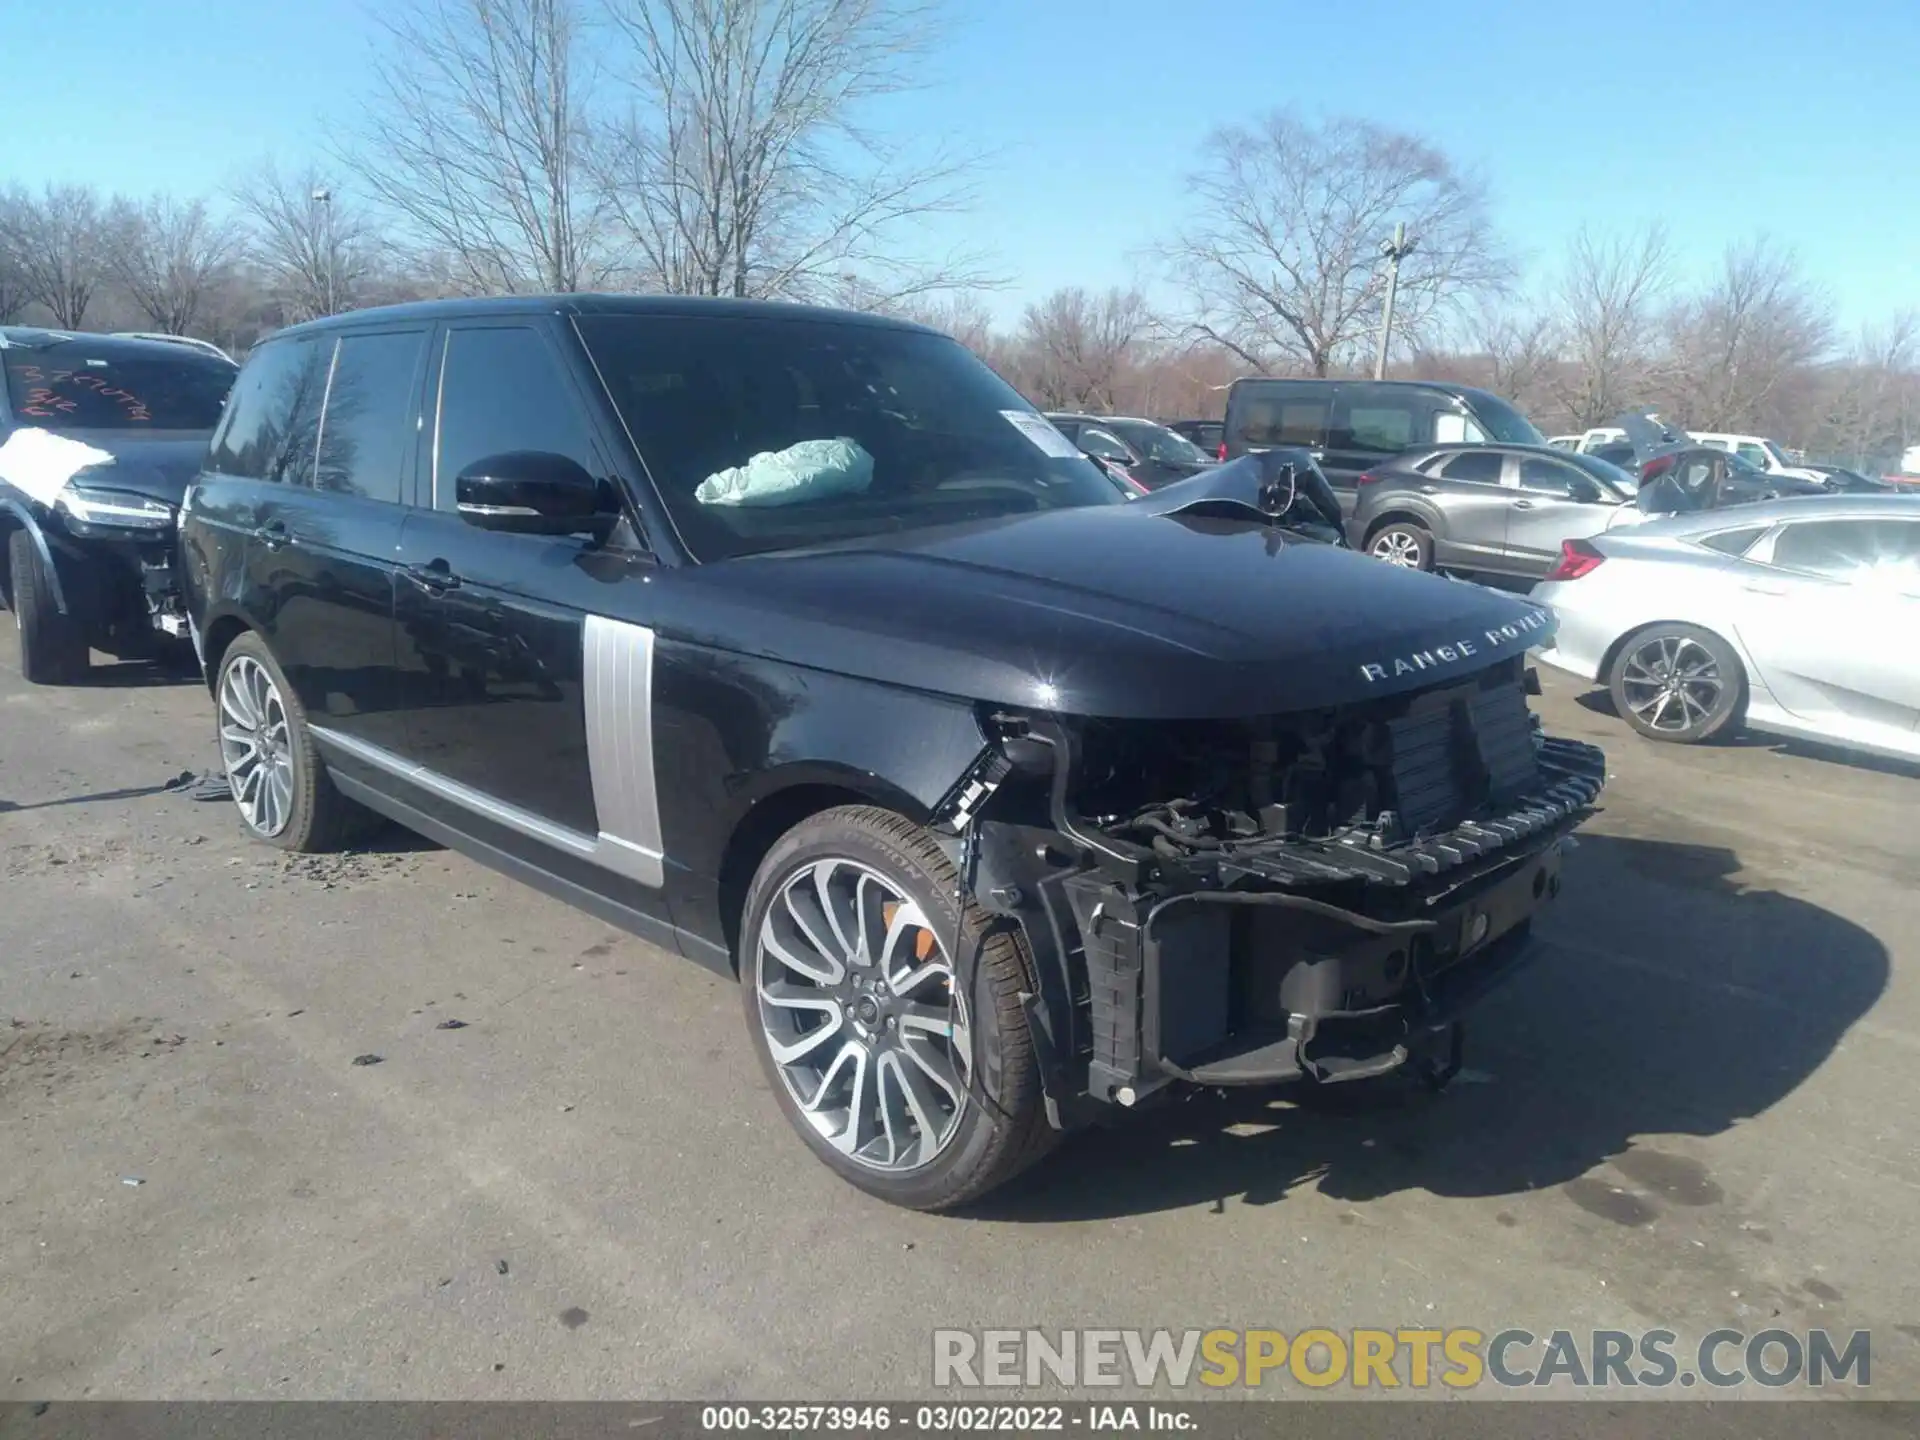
[1668, 999]
[1600, 702]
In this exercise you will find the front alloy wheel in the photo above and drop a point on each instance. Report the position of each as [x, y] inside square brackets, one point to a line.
[889, 1011]
[859, 1010]
[256, 746]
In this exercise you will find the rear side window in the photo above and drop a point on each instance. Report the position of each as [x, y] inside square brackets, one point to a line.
[500, 390]
[1380, 428]
[1755, 455]
[1479, 466]
[1850, 549]
[1282, 416]
[1734, 542]
[273, 417]
[366, 433]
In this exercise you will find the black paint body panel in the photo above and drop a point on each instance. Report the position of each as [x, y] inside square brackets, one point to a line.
[864, 667]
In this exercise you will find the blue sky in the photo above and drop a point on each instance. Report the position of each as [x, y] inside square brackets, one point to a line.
[1797, 118]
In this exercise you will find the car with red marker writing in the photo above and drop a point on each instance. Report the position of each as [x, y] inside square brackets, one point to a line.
[99, 435]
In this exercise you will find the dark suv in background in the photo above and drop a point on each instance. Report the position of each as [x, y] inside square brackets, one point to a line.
[99, 435]
[1350, 426]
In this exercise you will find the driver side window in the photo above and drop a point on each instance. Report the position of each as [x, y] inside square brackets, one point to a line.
[1107, 446]
[1545, 477]
[502, 389]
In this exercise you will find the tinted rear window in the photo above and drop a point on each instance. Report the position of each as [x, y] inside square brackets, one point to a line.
[1280, 415]
[72, 386]
[368, 435]
[273, 420]
[828, 430]
[1504, 423]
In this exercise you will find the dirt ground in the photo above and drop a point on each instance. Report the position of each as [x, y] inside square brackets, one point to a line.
[1697, 1110]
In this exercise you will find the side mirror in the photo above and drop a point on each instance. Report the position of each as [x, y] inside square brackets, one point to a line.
[531, 492]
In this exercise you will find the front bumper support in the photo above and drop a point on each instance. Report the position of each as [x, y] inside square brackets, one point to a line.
[1236, 981]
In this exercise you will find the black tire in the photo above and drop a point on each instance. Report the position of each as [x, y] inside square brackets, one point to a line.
[1403, 538]
[1000, 1127]
[1709, 683]
[318, 817]
[53, 647]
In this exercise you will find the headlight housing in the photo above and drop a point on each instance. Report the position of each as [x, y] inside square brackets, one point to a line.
[114, 509]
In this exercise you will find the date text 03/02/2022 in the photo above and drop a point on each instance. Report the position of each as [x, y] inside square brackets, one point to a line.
[934, 1419]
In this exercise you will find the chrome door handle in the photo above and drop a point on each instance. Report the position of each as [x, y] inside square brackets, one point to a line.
[273, 534]
[436, 577]
[1523, 504]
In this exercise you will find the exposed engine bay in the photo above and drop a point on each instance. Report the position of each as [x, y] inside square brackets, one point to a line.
[1303, 897]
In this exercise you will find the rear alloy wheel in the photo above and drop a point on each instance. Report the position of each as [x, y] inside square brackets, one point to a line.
[278, 781]
[904, 1078]
[1404, 544]
[53, 649]
[1677, 683]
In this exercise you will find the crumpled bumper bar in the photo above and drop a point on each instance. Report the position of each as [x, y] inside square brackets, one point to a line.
[1573, 772]
[1341, 991]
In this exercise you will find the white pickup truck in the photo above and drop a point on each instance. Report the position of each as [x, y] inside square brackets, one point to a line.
[1756, 450]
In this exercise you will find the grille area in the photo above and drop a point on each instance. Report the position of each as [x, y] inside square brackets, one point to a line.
[1458, 753]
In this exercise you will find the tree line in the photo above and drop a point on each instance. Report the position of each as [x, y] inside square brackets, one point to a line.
[736, 147]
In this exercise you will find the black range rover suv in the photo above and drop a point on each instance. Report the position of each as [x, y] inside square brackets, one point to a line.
[795, 641]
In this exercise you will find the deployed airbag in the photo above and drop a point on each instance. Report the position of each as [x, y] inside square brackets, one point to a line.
[810, 470]
[39, 463]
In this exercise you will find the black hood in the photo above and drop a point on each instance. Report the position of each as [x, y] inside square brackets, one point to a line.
[158, 464]
[1110, 611]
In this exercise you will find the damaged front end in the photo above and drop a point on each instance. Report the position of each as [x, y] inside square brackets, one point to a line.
[1305, 897]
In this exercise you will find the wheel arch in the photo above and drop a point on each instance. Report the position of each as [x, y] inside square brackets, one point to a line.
[789, 797]
[1402, 513]
[221, 631]
[16, 516]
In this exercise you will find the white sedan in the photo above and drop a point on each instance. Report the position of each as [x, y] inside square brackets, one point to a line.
[1799, 617]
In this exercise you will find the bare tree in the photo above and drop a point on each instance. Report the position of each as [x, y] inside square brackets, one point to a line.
[315, 249]
[169, 255]
[1607, 304]
[746, 168]
[57, 244]
[476, 140]
[1077, 347]
[13, 274]
[1283, 257]
[1751, 334]
[1869, 404]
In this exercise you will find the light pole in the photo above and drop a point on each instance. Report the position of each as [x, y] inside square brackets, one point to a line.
[323, 198]
[1395, 250]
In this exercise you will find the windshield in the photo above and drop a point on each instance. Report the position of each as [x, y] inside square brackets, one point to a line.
[775, 433]
[1505, 424]
[1779, 456]
[71, 386]
[1167, 446]
[1611, 477]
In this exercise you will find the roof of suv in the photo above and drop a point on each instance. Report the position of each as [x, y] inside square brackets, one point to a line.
[36, 337]
[1444, 386]
[597, 304]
